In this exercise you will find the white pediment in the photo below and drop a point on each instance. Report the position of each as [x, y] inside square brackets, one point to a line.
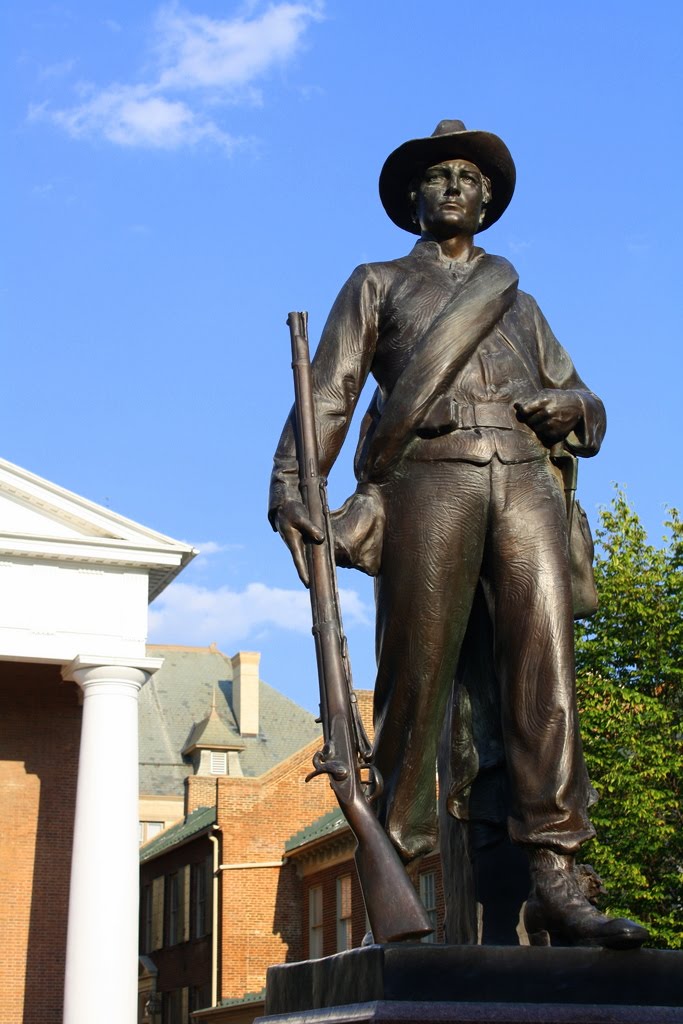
[40, 520]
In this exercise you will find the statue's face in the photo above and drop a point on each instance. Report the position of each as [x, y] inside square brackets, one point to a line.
[450, 199]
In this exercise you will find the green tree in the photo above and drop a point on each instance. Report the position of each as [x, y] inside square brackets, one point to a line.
[630, 689]
[636, 637]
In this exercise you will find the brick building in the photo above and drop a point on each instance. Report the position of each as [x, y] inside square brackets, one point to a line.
[238, 752]
[201, 697]
[332, 908]
[75, 583]
[278, 856]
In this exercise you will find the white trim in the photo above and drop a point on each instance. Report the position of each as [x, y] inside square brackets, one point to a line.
[101, 661]
[100, 536]
[258, 864]
[55, 500]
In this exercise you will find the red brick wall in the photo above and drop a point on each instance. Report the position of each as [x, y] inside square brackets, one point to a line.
[40, 721]
[200, 791]
[261, 906]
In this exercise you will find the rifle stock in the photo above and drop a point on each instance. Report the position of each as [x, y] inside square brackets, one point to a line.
[393, 906]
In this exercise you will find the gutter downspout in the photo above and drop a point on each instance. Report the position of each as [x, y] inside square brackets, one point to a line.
[214, 928]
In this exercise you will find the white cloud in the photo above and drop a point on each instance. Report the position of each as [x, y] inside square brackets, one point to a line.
[214, 547]
[131, 115]
[59, 70]
[210, 53]
[201, 62]
[190, 614]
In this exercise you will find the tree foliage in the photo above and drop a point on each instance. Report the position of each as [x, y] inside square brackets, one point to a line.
[630, 689]
[636, 637]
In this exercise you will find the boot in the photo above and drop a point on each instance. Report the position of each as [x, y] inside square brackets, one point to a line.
[558, 913]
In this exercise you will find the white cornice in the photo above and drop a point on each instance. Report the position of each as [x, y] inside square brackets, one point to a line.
[62, 526]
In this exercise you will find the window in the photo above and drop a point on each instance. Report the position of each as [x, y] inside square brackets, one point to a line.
[148, 829]
[344, 913]
[200, 997]
[202, 877]
[177, 906]
[174, 1006]
[172, 910]
[315, 922]
[219, 762]
[428, 897]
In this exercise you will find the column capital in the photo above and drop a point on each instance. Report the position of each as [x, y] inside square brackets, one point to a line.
[93, 668]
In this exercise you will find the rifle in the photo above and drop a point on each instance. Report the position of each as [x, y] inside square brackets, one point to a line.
[393, 906]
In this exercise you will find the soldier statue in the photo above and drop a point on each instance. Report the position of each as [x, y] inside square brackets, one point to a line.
[463, 515]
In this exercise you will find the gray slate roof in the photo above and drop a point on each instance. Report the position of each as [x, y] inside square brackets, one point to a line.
[190, 826]
[213, 734]
[179, 696]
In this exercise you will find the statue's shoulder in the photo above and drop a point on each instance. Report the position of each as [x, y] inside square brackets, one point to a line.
[526, 301]
[525, 305]
[390, 269]
[380, 275]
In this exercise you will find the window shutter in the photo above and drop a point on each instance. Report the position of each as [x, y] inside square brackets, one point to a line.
[185, 905]
[157, 913]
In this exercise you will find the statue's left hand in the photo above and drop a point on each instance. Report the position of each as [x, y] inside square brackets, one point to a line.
[552, 414]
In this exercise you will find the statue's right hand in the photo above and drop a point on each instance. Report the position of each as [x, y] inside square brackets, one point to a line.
[293, 524]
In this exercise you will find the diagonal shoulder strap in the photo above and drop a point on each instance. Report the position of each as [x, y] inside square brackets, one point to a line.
[442, 351]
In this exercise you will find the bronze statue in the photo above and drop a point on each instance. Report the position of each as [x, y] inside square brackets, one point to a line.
[462, 513]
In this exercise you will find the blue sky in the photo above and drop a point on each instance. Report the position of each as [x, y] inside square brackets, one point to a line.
[181, 175]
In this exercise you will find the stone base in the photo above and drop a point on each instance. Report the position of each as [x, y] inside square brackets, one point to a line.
[388, 1012]
[406, 983]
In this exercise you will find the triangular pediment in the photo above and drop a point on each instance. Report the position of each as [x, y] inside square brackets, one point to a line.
[39, 519]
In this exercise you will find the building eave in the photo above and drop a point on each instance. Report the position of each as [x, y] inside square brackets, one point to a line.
[149, 855]
[64, 527]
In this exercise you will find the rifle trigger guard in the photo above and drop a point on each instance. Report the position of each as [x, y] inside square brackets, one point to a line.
[374, 784]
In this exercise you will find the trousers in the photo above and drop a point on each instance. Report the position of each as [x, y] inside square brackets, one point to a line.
[450, 525]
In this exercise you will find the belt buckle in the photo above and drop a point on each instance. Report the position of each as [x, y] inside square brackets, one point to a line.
[467, 417]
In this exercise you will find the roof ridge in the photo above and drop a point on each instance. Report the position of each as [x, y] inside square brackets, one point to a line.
[211, 648]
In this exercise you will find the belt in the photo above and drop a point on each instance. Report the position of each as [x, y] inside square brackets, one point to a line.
[447, 415]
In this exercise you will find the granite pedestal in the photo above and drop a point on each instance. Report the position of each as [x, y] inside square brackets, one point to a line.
[406, 983]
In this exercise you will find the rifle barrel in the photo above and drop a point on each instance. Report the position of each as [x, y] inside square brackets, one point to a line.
[392, 904]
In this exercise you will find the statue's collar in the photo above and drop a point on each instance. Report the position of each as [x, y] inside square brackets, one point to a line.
[426, 248]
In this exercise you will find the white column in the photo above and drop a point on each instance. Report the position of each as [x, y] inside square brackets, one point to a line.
[102, 938]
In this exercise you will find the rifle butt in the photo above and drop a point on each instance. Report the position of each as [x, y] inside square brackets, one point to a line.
[394, 908]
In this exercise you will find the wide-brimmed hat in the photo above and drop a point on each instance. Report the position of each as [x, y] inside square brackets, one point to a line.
[450, 141]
